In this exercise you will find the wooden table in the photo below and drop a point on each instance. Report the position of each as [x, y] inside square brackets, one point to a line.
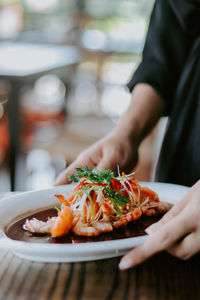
[162, 277]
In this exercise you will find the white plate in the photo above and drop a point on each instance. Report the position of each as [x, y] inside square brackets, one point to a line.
[16, 205]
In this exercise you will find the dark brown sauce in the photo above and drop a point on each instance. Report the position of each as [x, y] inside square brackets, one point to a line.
[15, 230]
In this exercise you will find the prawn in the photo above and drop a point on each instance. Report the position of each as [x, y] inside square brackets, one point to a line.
[56, 226]
[146, 192]
[155, 207]
[63, 222]
[128, 217]
[70, 199]
[95, 229]
[37, 226]
[84, 229]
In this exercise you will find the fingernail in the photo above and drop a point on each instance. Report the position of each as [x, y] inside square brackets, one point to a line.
[152, 228]
[125, 264]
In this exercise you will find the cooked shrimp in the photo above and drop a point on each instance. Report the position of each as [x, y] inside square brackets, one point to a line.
[85, 230]
[146, 192]
[103, 226]
[94, 229]
[56, 226]
[120, 223]
[129, 217]
[107, 210]
[155, 207]
[36, 226]
[63, 222]
[70, 199]
[63, 200]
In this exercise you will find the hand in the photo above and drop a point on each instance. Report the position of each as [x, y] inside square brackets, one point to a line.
[105, 154]
[178, 232]
[121, 146]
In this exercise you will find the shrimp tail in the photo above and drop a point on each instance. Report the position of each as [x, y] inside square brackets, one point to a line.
[63, 222]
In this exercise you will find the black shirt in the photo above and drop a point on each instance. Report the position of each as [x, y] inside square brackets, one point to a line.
[171, 65]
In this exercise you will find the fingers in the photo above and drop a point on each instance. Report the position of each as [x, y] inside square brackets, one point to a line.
[107, 163]
[173, 212]
[189, 246]
[111, 157]
[177, 208]
[160, 240]
[89, 158]
[63, 177]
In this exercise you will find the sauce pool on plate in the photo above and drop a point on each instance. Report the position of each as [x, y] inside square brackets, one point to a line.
[15, 230]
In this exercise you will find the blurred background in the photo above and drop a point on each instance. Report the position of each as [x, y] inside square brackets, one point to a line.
[64, 111]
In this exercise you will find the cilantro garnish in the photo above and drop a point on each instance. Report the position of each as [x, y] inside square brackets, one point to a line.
[102, 177]
[117, 199]
[95, 176]
[74, 178]
[116, 196]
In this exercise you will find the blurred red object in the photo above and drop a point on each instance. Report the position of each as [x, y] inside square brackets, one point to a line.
[42, 111]
[32, 122]
[4, 129]
[4, 138]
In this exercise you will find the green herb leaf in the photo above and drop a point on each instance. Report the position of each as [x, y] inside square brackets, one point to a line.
[74, 178]
[116, 197]
[58, 209]
[96, 176]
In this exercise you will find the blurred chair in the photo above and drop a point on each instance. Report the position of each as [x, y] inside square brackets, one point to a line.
[21, 63]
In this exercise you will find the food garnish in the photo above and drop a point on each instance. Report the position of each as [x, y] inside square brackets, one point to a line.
[100, 203]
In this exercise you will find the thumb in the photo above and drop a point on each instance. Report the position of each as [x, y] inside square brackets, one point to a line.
[63, 177]
[71, 169]
[82, 160]
[107, 163]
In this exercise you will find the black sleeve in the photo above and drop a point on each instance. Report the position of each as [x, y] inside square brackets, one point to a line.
[188, 14]
[167, 45]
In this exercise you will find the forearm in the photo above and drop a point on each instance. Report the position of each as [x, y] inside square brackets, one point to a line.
[144, 111]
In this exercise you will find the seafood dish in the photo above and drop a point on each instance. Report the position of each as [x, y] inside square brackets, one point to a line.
[100, 203]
